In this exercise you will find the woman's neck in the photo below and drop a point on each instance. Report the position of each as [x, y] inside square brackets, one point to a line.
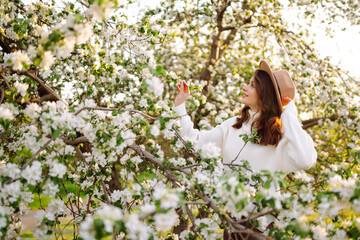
[254, 109]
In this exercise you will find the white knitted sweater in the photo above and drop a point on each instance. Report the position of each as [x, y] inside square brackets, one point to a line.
[295, 150]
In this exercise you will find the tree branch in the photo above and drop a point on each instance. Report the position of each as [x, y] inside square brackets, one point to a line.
[2, 95]
[75, 141]
[5, 79]
[114, 109]
[315, 121]
[36, 78]
[256, 216]
[42, 83]
[80, 154]
[148, 156]
[234, 225]
[37, 153]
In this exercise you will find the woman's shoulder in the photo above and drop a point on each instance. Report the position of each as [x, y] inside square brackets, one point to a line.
[229, 122]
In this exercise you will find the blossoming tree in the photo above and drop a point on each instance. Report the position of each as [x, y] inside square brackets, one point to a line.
[86, 121]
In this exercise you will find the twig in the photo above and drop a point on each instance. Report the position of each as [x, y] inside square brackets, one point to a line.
[197, 203]
[257, 216]
[5, 79]
[37, 153]
[239, 152]
[42, 83]
[105, 192]
[34, 77]
[20, 126]
[78, 151]
[75, 141]
[2, 95]
[114, 109]
[191, 216]
[191, 150]
[148, 156]
[180, 169]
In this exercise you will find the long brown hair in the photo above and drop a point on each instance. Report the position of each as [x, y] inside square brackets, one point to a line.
[268, 123]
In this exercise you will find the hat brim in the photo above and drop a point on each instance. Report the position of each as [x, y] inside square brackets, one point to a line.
[264, 66]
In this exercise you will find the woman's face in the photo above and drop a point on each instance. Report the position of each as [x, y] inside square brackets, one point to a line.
[250, 96]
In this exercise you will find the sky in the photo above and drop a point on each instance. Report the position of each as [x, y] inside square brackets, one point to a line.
[343, 48]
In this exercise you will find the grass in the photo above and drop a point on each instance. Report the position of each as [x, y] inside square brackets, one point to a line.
[44, 201]
[67, 232]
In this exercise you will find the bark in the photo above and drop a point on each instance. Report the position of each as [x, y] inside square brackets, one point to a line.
[5, 44]
[315, 121]
[114, 183]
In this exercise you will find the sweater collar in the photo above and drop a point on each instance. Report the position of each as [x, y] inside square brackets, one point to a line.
[253, 115]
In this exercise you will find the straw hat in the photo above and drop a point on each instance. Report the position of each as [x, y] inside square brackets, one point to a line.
[283, 84]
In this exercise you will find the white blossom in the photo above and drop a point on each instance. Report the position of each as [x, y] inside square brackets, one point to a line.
[57, 170]
[17, 59]
[143, 102]
[5, 113]
[86, 229]
[121, 120]
[155, 131]
[41, 232]
[11, 191]
[67, 46]
[3, 222]
[11, 170]
[319, 233]
[125, 196]
[202, 178]
[165, 221]
[33, 173]
[50, 189]
[168, 199]
[83, 32]
[339, 235]
[210, 150]
[147, 209]
[57, 207]
[33, 110]
[128, 136]
[136, 229]
[21, 88]
[47, 60]
[109, 214]
[102, 11]
[155, 86]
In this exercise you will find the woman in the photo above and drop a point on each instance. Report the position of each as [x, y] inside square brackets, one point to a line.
[281, 143]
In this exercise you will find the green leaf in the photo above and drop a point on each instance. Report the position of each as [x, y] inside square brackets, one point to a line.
[267, 184]
[55, 133]
[54, 37]
[5, 123]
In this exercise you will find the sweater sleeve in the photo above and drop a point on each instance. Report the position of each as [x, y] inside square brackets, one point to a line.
[295, 150]
[187, 131]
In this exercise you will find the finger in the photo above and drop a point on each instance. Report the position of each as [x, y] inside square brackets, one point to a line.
[182, 86]
[186, 88]
[178, 88]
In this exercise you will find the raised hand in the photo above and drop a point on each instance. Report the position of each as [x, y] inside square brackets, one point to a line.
[183, 94]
